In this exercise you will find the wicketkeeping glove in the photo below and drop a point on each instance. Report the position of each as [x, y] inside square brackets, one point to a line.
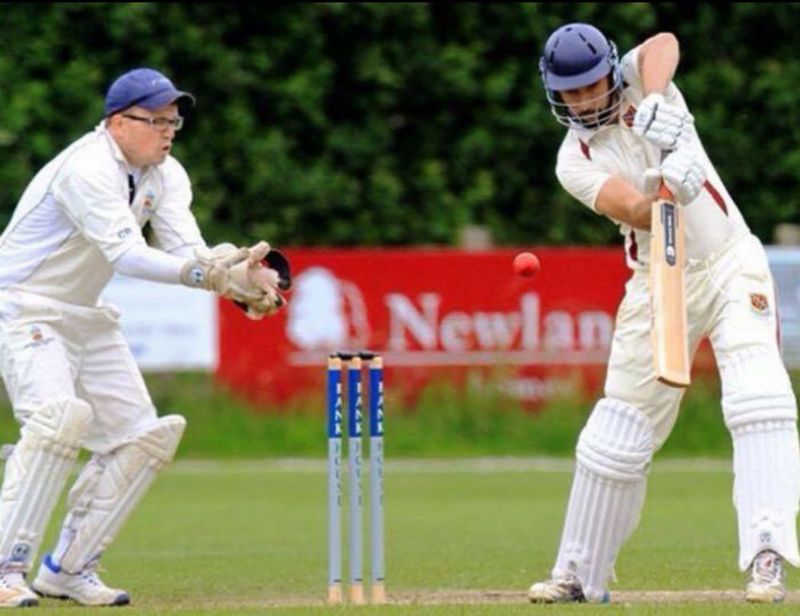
[272, 271]
[239, 275]
[277, 261]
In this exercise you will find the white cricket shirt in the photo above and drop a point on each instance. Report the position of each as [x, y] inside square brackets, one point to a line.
[588, 158]
[76, 217]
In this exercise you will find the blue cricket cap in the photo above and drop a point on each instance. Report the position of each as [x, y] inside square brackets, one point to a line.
[144, 87]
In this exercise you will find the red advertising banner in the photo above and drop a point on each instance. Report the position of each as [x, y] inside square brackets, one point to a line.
[433, 314]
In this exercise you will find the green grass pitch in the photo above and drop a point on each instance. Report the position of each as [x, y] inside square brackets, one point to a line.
[462, 537]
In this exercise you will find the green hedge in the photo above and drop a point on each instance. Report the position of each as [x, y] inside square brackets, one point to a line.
[444, 422]
[389, 124]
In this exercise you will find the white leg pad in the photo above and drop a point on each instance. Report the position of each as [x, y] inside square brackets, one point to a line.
[761, 413]
[35, 474]
[109, 488]
[613, 457]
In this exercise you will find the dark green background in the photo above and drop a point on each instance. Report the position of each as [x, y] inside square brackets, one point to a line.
[366, 124]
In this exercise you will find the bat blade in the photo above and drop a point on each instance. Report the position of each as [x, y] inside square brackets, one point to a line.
[668, 292]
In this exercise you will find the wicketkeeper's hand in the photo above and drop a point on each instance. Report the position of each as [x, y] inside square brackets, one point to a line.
[268, 271]
[240, 275]
[665, 126]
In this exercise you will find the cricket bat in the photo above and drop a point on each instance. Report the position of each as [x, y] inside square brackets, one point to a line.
[668, 291]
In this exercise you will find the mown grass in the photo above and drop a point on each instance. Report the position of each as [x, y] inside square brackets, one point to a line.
[249, 537]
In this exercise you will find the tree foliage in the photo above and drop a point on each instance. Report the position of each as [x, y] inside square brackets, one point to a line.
[391, 124]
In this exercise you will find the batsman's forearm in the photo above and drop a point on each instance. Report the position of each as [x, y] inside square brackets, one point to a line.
[659, 60]
[641, 213]
[623, 203]
[635, 214]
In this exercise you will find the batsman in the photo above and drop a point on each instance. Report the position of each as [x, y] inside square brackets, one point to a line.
[68, 371]
[629, 129]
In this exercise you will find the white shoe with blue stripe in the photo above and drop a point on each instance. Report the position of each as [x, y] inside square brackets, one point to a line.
[85, 587]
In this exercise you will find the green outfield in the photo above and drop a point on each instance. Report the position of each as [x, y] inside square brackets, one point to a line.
[464, 536]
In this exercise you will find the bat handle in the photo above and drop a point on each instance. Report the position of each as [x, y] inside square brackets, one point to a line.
[664, 192]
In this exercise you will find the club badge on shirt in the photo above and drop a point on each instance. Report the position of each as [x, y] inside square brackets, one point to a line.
[37, 338]
[149, 198]
[759, 303]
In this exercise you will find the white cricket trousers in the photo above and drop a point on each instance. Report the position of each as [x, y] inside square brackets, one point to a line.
[51, 350]
[730, 299]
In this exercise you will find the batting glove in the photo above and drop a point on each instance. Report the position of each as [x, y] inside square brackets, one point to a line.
[683, 175]
[665, 126]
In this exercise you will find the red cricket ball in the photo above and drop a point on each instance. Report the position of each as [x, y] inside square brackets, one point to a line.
[526, 264]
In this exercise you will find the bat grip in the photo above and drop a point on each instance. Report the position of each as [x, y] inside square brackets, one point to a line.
[664, 192]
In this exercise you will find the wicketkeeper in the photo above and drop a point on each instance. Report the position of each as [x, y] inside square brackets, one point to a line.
[621, 116]
[68, 371]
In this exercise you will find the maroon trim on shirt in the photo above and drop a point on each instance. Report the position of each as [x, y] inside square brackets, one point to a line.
[629, 115]
[716, 196]
[585, 149]
[633, 249]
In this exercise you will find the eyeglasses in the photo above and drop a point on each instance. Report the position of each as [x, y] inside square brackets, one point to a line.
[160, 124]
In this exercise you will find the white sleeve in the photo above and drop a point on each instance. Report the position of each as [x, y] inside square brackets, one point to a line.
[150, 264]
[187, 252]
[99, 210]
[629, 65]
[174, 226]
[579, 176]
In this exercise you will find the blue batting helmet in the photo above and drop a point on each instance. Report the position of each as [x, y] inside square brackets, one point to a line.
[577, 55]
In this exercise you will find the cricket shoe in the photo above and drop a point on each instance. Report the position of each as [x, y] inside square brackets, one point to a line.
[561, 589]
[85, 587]
[14, 592]
[766, 584]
